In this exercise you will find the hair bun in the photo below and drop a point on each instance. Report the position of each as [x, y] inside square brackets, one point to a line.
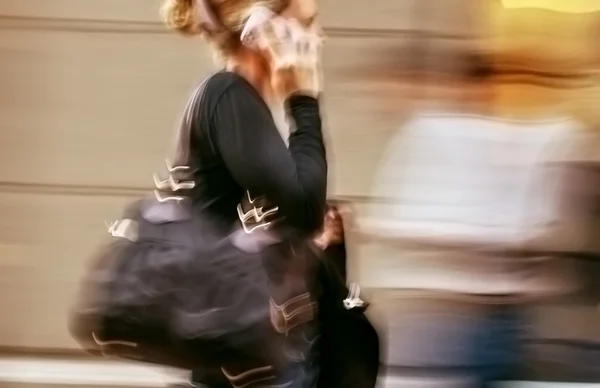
[180, 15]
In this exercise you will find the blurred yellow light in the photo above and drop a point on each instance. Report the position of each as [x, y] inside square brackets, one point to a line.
[571, 6]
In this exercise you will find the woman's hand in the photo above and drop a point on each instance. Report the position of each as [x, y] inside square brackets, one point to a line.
[292, 51]
[333, 230]
[299, 70]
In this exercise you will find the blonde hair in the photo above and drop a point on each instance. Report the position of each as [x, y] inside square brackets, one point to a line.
[183, 17]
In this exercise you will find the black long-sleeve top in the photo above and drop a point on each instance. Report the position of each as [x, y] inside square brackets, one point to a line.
[236, 147]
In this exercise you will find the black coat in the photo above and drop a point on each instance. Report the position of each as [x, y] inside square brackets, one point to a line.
[349, 346]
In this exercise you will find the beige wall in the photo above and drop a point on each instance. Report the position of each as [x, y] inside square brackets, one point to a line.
[90, 90]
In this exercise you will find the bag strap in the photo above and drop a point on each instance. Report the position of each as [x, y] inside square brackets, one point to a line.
[181, 149]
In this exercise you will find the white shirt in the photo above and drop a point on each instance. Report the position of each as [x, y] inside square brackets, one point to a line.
[462, 189]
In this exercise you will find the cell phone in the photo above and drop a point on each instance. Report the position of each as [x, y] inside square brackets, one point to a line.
[272, 35]
[250, 35]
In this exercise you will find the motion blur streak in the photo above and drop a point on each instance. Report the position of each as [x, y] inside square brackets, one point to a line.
[464, 150]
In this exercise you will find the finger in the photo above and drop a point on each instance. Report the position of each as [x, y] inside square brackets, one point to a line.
[276, 42]
[258, 17]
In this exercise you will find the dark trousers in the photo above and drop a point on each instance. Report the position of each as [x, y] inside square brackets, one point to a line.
[489, 349]
[497, 345]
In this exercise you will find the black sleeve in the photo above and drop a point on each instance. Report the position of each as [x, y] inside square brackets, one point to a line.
[293, 179]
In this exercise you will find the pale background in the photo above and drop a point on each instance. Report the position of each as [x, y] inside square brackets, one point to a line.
[89, 93]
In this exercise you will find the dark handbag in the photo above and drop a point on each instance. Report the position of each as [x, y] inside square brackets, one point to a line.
[349, 344]
[169, 289]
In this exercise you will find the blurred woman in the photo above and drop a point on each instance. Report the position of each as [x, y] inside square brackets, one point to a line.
[212, 272]
[271, 55]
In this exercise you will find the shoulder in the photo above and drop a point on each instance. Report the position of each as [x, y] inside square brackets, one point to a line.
[220, 93]
[225, 83]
